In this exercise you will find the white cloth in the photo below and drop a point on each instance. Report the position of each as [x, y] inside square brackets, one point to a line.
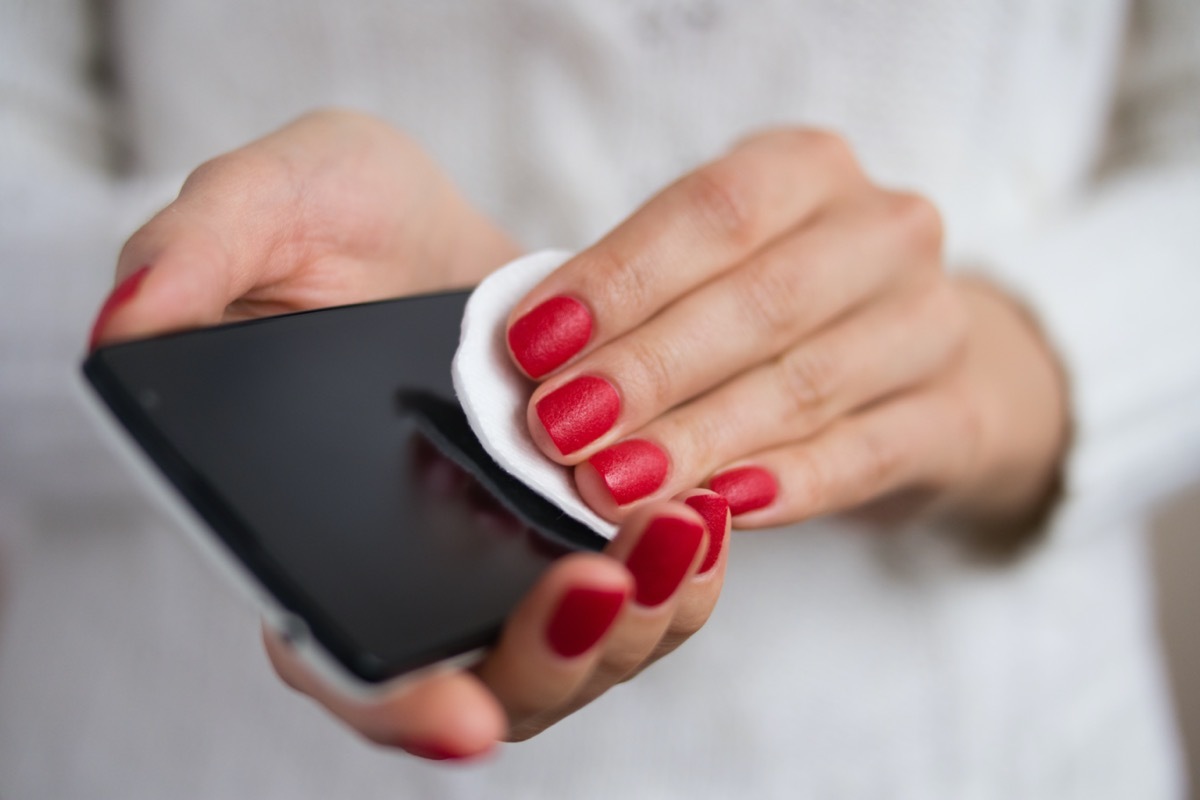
[837, 664]
[494, 394]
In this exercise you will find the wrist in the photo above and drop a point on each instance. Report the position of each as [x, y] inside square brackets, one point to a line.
[1018, 384]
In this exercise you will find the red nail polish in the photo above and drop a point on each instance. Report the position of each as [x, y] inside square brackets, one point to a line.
[583, 616]
[121, 295]
[662, 556]
[631, 469]
[714, 509]
[578, 413]
[746, 488]
[547, 336]
[434, 751]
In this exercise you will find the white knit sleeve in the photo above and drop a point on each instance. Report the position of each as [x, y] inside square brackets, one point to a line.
[1115, 283]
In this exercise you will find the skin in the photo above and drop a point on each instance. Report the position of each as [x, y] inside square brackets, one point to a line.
[776, 308]
[833, 350]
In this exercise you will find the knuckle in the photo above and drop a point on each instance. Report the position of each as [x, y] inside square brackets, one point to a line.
[687, 622]
[654, 371]
[238, 178]
[717, 195]
[810, 487]
[617, 281]
[141, 242]
[219, 170]
[691, 438]
[206, 173]
[829, 145]
[820, 146]
[619, 664]
[917, 221]
[879, 461]
[810, 378]
[767, 294]
[826, 148]
[761, 137]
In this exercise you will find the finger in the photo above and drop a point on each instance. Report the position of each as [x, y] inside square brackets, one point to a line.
[184, 289]
[665, 557]
[184, 267]
[697, 596]
[449, 715]
[538, 684]
[551, 641]
[695, 229]
[785, 292]
[926, 438]
[662, 548]
[883, 349]
[239, 223]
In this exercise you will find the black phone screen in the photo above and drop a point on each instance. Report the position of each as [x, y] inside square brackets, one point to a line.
[327, 453]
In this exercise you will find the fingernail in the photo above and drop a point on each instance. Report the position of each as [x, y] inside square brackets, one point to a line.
[631, 469]
[714, 509]
[121, 295]
[661, 558]
[579, 412]
[435, 751]
[546, 337]
[746, 488]
[583, 616]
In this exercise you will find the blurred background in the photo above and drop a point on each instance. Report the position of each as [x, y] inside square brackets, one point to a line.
[98, 641]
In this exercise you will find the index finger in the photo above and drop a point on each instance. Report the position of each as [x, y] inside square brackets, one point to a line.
[698, 227]
[188, 263]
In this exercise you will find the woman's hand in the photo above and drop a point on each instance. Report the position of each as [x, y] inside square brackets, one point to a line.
[335, 208]
[780, 329]
[338, 208]
[590, 622]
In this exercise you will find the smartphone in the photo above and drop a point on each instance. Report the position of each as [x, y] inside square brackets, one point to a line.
[323, 458]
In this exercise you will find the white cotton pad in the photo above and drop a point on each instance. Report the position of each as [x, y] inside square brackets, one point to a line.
[494, 393]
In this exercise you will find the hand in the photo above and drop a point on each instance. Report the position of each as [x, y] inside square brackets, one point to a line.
[590, 622]
[780, 329]
[339, 208]
[335, 208]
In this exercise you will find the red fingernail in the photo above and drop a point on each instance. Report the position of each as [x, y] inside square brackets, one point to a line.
[579, 412]
[714, 509]
[547, 336]
[631, 469]
[121, 295]
[582, 617]
[435, 751]
[662, 556]
[746, 488]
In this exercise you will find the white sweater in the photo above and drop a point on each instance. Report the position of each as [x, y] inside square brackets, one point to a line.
[1060, 138]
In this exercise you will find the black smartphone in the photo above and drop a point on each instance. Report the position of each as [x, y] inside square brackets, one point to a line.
[325, 455]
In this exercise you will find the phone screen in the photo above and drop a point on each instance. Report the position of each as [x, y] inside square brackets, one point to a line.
[327, 453]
